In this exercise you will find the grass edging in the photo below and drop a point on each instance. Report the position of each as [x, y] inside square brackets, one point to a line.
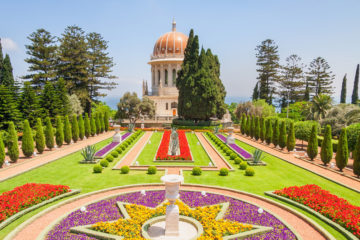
[335, 225]
[36, 206]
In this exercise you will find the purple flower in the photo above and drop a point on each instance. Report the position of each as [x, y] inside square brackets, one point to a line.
[236, 148]
[110, 146]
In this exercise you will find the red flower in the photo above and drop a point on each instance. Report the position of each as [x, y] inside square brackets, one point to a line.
[162, 153]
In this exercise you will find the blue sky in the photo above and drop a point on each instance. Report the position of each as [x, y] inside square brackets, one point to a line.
[232, 29]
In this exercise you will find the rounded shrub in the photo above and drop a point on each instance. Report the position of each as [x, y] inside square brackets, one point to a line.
[228, 152]
[123, 147]
[125, 169]
[232, 156]
[237, 160]
[224, 172]
[119, 150]
[249, 172]
[97, 168]
[151, 170]
[114, 154]
[125, 144]
[243, 165]
[196, 171]
[104, 163]
[110, 158]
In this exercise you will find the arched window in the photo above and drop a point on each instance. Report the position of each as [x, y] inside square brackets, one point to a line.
[174, 105]
[166, 77]
[167, 106]
[158, 77]
[173, 76]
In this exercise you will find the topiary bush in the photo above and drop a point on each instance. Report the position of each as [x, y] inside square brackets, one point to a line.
[312, 148]
[74, 128]
[67, 130]
[151, 170]
[39, 137]
[224, 172]
[233, 156]
[114, 154]
[49, 134]
[104, 163]
[119, 150]
[13, 148]
[228, 152]
[110, 158]
[342, 153]
[249, 171]
[97, 168]
[125, 169]
[27, 145]
[237, 160]
[123, 147]
[2, 151]
[196, 171]
[243, 165]
[59, 135]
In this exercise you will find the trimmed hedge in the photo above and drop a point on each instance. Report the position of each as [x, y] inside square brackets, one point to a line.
[224, 172]
[196, 171]
[125, 169]
[97, 168]
[192, 123]
[249, 171]
[151, 170]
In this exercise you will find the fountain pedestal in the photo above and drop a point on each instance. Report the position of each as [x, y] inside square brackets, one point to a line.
[117, 135]
[230, 139]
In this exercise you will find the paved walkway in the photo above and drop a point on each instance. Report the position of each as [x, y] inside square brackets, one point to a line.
[49, 156]
[346, 181]
[35, 228]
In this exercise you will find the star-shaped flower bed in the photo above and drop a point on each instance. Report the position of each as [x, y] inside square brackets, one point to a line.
[213, 226]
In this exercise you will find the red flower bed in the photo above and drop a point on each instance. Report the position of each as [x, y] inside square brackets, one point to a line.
[337, 209]
[162, 153]
[27, 195]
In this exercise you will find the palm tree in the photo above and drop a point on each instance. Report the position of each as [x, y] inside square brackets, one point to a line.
[320, 106]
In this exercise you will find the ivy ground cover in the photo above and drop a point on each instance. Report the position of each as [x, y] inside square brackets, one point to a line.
[107, 210]
[331, 206]
[162, 153]
[27, 195]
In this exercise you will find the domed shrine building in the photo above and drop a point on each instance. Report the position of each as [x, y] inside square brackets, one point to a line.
[165, 61]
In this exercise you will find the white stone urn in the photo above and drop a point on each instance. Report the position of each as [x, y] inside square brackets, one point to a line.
[117, 135]
[230, 139]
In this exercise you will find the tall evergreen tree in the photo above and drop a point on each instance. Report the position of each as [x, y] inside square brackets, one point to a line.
[1, 59]
[75, 128]
[27, 142]
[98, 123]
[12, 146]
[49, 100]
[59, 132]
[248, 125]
[8, 107]
[2, 147]
[312, 148]
[282, 135]
[39, 137]
[307, 91]
[257, 128]
[343, 90]
[355, 94]
[243, 124]
[326, 153]
[262, 129]
[42, 58]
[29, 103]
[290, 144]
[269, 131]
[87, 126]
[356, 156]
[81, 127]
[276, 133]
[252, 127]
[106, 120]
[268, 67]
[102, 124]
[342, 152]
[255, 95]
[63, 104]
[7, 77]
[320, 77]
[93, 125]
[49, 134]
[67, 130]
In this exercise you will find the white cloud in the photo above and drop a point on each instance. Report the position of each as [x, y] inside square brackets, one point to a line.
[8, 44]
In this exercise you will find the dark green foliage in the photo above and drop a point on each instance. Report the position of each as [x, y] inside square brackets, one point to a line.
[93, 125]
[75, 128]
[255, 95]
[327, 146]
[257, 128]
[243, 124]
[353, 132]
[87, 126]
[59, 132]
[97, 168]
[98, 123]
[243, 165]
[276, 133]
[320, 78]
[237, 160]
[49, 134]
[2, 150]
[102, 124]
[232, 156]
[115, 154]
[307, 92]
[355, 94]
[7, 77]
[224, 172]
[269, 131]
[343, 90]
[125, 169]
[8, 107]
[106, 121]
[27, 142]
[104, 163]
[249, 172]
[151, 170]
[248, 125]
[81, 127]
[312, 148]
[282, 135]
[196, 171]
[252, 131]
[109, 158]
[29, 103]
[342, 152]
[63, 104]
[356, 156]
[67, 130]
[119, 150]
[49, 100]
[39, 137]
[290, 144]
[262, 129]
[12, 146]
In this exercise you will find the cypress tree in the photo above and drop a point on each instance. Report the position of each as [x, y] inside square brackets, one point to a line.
[343, 90]
[2, 150]
[312, 148]
[97, 123]
[342, 152]
[356, 165]
[257, 128]
[81, 127]
[13, 147]
[248, 125]
[269, 131]
[87, 126]
[59, 132]
[282, 135]
[326, 153]
[255, 95]
[39, 137]
[106, 121]
[355, 94]
[93, 125]
[252, 133]
[67, 130]
[276, 133]
[49, 134]
[290, 144]
[262, 129]
[7, 77]
[243, 124]
[102, 123]
[27, 144]
[75, 128]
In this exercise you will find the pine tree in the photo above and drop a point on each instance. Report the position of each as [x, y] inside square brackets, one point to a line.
[255, 95]
[13, 147]
[326, 153]
[7, 77]
[269, 131]
[106, 121]
[290, 144]
[282, 135]
[49, 134]
[27, 144]
[276, 133]
[307, 91]
[59, 132]
[243, 124]
[75, 128]
[355, 94]
[29, 103]
[67, 130]
[342, 152]
[39, 137]
[63, 104]
[2, 147]
[263, 129]
[81, 127]
[257, 128]
[102, 124]
[1, 59]
[98, 124]
[356, 155]
[93, 125]
[49, 100]
[343, 90]
[8, 107]
[320, 77]
[312, 148]
[87, 126]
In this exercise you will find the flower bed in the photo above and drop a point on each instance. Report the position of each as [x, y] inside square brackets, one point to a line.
[107, 210]
[243, 153]
[27, 195]
[102, 152]
[162, 153]
[331, 206]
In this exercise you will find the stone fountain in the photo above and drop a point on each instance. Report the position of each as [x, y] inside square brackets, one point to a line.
[117, 135]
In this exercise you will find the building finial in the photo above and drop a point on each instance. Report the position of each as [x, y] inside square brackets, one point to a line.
[173, 25]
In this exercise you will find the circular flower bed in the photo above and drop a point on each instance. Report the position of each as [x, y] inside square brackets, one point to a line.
[107, 210]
